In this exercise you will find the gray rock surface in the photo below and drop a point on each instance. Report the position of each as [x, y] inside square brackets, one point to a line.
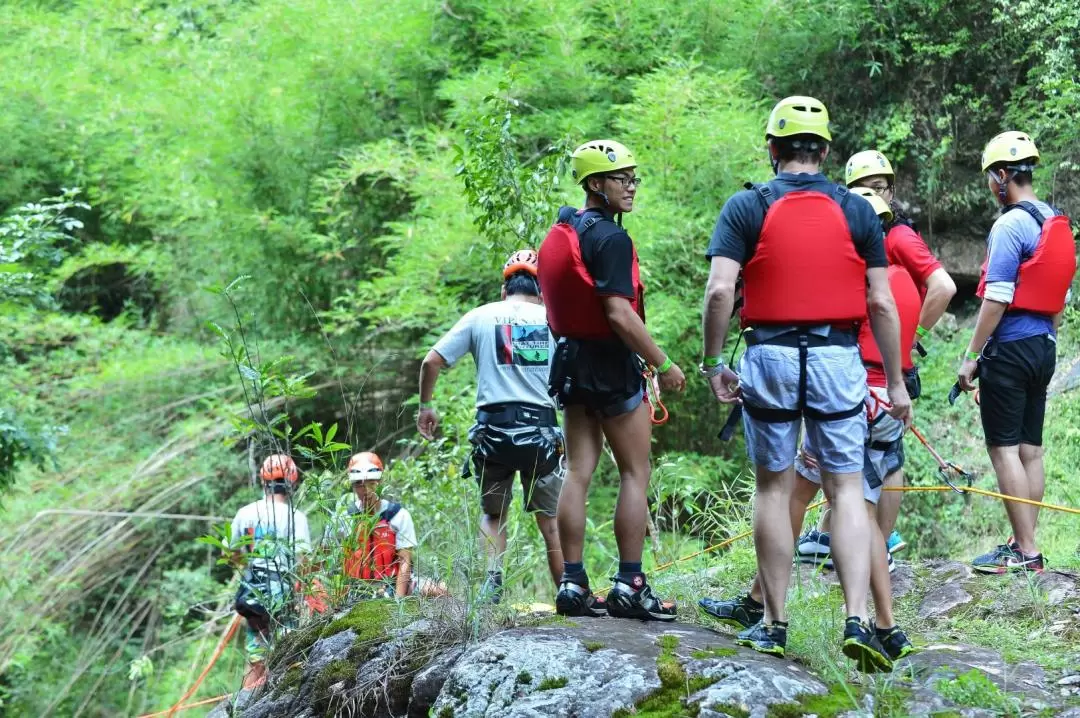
[943, 599]
[429, 682]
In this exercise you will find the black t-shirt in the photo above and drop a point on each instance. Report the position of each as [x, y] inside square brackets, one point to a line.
[606, 249]
[739, 225]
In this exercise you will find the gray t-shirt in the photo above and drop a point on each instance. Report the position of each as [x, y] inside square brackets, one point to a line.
[512, 348]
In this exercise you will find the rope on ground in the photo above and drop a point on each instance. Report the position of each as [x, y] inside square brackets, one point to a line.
[206, 702]
[969, 489]
[717, 547]
[179, 705]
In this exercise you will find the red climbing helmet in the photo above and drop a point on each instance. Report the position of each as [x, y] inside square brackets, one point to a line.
[279, 467]
[523, 260]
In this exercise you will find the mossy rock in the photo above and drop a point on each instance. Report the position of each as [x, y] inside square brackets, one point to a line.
[722, 652]
[290, 681]
[834, 703]
[367, 619]
[667, 702]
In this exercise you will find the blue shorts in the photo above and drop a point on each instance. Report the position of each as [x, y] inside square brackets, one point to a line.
[878, 463]
[835, 382]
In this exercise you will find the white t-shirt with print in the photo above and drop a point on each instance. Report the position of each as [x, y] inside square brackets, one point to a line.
[280, 533]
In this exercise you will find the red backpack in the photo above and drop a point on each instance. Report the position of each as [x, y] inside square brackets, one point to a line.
[376, 555]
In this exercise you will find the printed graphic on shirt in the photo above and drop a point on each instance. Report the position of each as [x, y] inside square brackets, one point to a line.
[522, 345]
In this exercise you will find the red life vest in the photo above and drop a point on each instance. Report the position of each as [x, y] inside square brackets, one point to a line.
[574, 309]
[375, 557]
[1044, 279]
[805, 270]
[908, 307]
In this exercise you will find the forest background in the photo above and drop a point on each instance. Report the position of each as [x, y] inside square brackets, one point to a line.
[227, 216]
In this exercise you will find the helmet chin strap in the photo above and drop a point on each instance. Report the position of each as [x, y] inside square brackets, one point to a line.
[1003, 186]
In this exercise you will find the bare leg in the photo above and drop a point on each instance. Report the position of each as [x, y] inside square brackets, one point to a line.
[880, 583]
[850, 538]
[1013, 481]
[584, 443]
[773, 539]
[888, 507]
[803, 493]
[1031, 457]
[493, 538]
[825, 522]
[630, 438]
[549, 529]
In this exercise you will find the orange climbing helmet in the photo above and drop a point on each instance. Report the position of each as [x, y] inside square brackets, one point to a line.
[279, 467]
[365, 466]
[523, 260]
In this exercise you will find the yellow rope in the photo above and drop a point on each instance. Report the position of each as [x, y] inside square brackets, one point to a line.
[973, 490]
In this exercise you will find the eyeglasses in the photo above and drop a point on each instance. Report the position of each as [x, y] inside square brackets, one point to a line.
[626, 181]
[879, 188]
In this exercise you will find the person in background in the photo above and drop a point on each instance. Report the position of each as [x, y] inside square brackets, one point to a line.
[272, 535]
[516, 430]
[871, 171]
[379, 535]
[1024, 286]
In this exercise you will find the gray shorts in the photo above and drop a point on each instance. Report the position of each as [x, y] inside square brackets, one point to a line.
[877, 463]
[836, 381]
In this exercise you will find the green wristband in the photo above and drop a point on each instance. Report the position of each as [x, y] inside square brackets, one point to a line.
[665, 366]
[973, 356]
[427, 404]
[712, 361]
[922, 331]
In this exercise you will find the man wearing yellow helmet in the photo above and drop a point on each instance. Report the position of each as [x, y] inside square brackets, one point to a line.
[516, 430]
[803, 303]
[596, 306]
[871, 171]
[1030, 263]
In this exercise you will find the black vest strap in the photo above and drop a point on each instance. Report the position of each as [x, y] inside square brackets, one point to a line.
[1031, 209]
[390, 512]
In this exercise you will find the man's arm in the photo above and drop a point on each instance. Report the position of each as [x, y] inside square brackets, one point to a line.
[628, 326]
[990, 314]
[427, 421]
[885, 325]
[404, 577]
[719, 299]
[940, 289]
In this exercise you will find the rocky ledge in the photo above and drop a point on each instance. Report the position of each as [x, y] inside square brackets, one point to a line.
[437, 658]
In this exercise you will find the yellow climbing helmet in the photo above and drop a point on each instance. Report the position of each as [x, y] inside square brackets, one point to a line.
[868, 163]
[1014, 148]
[881, 207]
[597, 156]
[798, 115]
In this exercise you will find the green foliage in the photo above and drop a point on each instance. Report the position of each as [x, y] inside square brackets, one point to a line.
[367, 166]
[551, 684]
[511, 198]
[975, 690]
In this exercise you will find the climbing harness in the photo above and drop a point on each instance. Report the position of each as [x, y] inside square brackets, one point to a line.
[652, 393]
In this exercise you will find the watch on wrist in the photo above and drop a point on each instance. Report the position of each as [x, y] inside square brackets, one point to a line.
[710, 371]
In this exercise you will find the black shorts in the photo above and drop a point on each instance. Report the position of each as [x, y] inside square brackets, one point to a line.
[603, 376]
[1013, 377]
[533, 452]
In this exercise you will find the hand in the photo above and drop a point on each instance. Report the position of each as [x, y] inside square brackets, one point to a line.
[809, 460]
[901, 404]
[427, 423]
[673, 379]
[725, 387]
[966, 374]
